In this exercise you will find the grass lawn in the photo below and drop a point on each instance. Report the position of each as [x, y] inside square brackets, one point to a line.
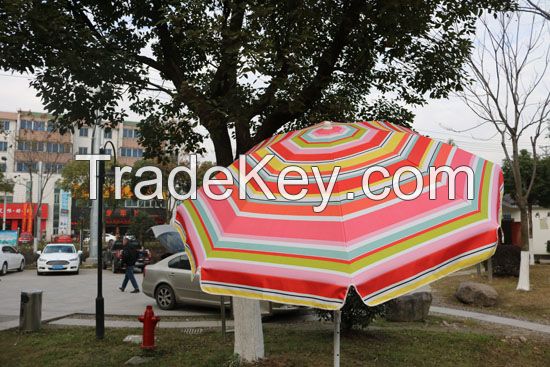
[289, 345]
[533, 305]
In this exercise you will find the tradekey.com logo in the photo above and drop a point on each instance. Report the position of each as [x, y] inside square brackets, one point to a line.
[290, 176]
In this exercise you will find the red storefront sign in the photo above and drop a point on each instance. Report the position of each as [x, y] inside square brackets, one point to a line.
[17, 210]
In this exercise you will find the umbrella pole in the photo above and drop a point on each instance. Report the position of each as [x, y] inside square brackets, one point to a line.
[337, 319]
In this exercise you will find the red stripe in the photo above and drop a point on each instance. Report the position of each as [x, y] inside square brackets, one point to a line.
[275, 283]
[420, 265]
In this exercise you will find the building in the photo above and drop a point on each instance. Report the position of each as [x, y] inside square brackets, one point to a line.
[27, 143]
[540, 227]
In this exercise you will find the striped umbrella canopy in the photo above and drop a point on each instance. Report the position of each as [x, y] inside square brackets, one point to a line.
[285, 251]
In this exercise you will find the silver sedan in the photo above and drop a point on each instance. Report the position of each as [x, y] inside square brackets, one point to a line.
[169, 283]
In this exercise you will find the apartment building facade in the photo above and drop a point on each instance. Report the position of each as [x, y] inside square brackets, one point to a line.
[27, 145]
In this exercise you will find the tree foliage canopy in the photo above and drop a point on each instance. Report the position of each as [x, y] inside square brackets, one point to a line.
[540, 193]
[248, 68]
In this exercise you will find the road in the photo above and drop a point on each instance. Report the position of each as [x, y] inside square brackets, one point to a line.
[69, 294]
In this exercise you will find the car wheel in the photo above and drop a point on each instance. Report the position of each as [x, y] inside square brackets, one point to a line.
[22, 266]
[165, 297]
[4, 269]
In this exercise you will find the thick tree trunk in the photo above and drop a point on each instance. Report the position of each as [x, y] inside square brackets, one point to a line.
[249, 337]
[523, 281]
[222, 145]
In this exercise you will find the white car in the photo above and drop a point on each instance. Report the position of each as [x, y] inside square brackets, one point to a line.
[58, 258]
[10, 259]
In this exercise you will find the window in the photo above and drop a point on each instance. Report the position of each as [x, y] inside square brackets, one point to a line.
[109, 151]
[3, 167]
[26, 166]
[108, 134]
[32, 125]
[82, 150]
[130, 133]
[25, 125]
[83, 131]
[180, 262]
[39, 126]
[8, 249]
[5, 125]
[53, 167]
[24, 145]
[129, 152]
[58, 148]
[3, 146]
[33, 146]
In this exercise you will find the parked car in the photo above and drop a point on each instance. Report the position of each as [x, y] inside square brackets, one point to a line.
[10, 259]
[169, 283]
[58, 258]
[25, 238]
[112, 256]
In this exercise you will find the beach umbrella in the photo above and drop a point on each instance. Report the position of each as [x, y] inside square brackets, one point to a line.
[169, 237]
[385, 232]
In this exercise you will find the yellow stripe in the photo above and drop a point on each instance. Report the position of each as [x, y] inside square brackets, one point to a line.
[267, 297]
[388, 147]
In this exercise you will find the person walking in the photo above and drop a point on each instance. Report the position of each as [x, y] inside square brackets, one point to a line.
[129, 258]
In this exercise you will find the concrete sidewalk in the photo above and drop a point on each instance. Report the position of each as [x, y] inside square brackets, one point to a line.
[484, 317]
[136, 324]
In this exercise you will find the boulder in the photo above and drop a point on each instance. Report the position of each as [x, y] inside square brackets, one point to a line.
[410, 307]
[477, 294]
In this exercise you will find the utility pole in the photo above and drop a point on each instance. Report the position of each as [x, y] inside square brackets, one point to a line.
[38, 223]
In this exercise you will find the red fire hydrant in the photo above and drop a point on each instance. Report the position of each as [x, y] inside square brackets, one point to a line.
[149, 322]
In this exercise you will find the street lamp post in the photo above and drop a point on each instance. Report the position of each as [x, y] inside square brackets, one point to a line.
[99, 302]
[5, 199]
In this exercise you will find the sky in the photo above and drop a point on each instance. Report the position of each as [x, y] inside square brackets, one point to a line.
[441, 119]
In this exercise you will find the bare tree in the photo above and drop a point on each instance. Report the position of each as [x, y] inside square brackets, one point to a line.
[534, 7]
[510, 92]
[41, 155]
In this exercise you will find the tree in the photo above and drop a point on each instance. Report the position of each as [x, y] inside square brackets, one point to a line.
[540, 192]
[509, 94]
[40, 154]
[534, 7]
[241, 69]
[355, 313]
[6, 184]
[75, 177]
[140, 224]
[182, 182]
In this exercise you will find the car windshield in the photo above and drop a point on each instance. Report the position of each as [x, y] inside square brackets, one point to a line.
[59, 249]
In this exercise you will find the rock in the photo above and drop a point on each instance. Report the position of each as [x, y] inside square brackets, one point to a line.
[477, 294]
[135, 360]
[523, 339]
[410, 307]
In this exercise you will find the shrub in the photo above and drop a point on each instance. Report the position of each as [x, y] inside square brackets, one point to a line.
[355, 314]
[506, 260]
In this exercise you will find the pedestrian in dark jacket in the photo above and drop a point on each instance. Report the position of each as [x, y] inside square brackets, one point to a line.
[129, 258]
